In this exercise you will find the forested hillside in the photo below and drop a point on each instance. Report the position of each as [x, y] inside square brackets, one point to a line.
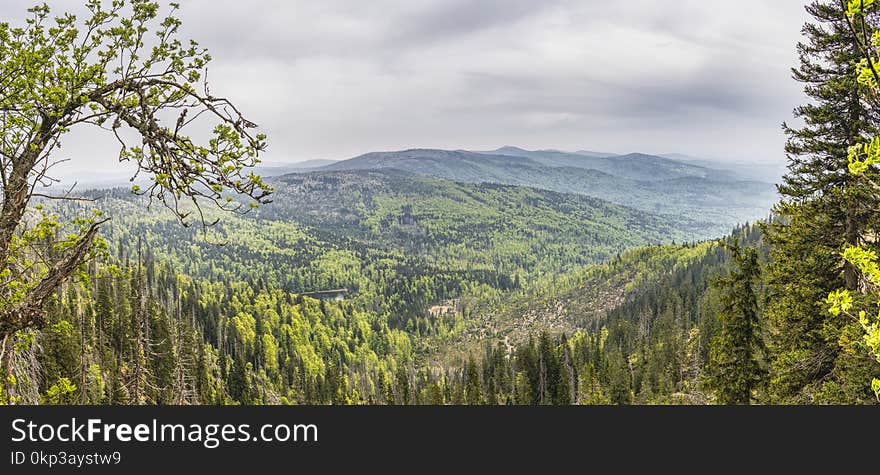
[637, 331]
[398, 243]
[638, 328]
[154, 324]
[205, 315]
[715, 200]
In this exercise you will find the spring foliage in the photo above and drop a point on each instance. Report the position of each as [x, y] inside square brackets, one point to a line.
[122, 69]
[861, 158]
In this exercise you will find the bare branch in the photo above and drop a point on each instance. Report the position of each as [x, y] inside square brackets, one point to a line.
[29, 312]
[64, 198]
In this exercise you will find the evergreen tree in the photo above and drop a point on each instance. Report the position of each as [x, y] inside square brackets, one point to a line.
[565, 387]
[403, 385]
[548, 367]
[472, 383]
[863, 158]
[736, 357]
[824, 208]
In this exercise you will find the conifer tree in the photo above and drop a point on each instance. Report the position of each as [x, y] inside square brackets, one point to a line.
[862, 161]
[473, 390]
[823, 209]
[736, 366]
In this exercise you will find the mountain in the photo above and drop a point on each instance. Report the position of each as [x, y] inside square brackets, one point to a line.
[587, 297]
[553, 158]
[685, 158]
[314, 163]
[635, 166]
[383, 280]
[640, 166]
[398, 243]
[442, 219]
[366, 284]
[459, 165]
[714, 198]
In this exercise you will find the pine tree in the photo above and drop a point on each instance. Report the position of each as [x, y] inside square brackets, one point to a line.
[736, 356]
[824, 209]
[548, 366]
[473, 392]
[566, 385]
[402, 385]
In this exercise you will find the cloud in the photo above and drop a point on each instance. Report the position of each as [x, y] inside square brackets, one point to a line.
[334, 78]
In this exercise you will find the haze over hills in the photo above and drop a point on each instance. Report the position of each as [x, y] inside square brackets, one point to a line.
[478, 166]
[121, 176]
[268, 169]
[636, 166]
[767, 172]
[711, 198]
[719, 199]
[458, 163]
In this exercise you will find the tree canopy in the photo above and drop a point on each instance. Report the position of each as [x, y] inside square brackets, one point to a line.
[124, 69]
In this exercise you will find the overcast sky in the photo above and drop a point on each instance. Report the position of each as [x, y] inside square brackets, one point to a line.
[334, 78]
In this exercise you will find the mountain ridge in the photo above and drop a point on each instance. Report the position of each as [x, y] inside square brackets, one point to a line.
[658, 185]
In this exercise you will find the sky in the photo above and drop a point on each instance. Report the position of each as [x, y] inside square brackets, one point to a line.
[331, 79]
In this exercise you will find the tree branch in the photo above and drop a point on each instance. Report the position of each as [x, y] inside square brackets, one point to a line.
[29, 312]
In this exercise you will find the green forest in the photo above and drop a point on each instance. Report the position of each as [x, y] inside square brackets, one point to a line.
[423, 276]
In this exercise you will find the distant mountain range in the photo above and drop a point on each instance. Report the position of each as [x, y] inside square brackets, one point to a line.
[96, 180]
[636, 166]
[509, 162]
[717, 198]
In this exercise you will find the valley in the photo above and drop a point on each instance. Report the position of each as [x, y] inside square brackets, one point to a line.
[401, 268]
[184, 257]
